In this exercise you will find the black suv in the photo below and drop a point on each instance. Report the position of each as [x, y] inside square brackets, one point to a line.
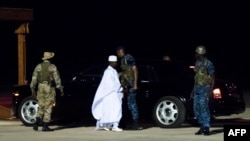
[163, 96]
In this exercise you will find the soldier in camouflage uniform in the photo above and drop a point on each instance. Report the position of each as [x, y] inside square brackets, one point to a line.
[128, 78]
[45, 79]
[203, 86]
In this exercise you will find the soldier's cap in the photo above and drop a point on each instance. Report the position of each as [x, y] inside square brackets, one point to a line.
[48, 55]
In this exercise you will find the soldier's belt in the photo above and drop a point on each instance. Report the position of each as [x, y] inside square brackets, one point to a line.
[44, 83]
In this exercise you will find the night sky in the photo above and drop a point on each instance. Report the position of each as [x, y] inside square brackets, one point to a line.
[84, 33]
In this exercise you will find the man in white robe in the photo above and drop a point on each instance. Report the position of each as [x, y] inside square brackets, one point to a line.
[107, 104]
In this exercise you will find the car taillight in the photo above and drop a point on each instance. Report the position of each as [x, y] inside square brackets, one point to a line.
[217, 93]
[16, 94]
[191, 67]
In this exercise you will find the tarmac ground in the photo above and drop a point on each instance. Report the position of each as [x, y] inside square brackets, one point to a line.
[12, 129]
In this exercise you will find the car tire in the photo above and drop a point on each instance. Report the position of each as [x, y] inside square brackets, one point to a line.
[169, 112]
[27, 110]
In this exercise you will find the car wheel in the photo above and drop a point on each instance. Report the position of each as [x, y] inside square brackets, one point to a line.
[27, 111]
[169, 112]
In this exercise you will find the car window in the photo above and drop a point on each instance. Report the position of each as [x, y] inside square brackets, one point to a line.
[142, 73]
[96, 69]
[92, 74]
[147, 73]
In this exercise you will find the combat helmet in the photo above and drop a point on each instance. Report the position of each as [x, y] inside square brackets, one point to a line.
[200, 50]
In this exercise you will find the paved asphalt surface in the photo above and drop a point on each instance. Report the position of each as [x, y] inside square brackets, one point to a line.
[13, 129]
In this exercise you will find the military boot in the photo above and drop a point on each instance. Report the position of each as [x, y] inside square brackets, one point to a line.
[200, 131]
[206, 131]
[46, 127]
[136, 125]
[37, 123]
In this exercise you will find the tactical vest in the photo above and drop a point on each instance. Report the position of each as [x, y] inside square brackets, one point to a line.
[45, 74]
[201, 76]
[127, 72]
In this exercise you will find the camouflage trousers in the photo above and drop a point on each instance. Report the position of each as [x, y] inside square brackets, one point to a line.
[201, 105]
[132, 102]
[46, 99]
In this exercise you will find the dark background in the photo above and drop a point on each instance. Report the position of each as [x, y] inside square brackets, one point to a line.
[82, 33]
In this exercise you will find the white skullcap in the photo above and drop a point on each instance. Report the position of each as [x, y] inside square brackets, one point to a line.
[112, 58]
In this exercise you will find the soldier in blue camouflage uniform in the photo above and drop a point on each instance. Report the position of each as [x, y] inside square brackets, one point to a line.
[129, 78]
[45, 79]
[203, 86]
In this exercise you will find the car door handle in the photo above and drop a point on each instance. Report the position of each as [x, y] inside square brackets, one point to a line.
[144, 81]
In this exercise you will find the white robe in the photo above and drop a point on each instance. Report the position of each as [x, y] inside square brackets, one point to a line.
[107, 104]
